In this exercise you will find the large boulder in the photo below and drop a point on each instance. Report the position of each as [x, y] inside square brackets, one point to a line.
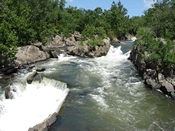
[29, 54]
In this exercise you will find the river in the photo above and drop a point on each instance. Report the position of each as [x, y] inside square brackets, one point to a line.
[107, 94]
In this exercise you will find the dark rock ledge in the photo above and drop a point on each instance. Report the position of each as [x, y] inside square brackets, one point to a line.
[148, 70]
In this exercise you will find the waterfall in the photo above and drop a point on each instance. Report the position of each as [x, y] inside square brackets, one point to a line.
[31, 103]
[133, 38]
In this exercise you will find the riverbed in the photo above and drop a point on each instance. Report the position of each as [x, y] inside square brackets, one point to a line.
[107, 94]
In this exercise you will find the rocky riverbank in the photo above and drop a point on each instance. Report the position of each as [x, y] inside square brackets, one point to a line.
[149, 71]
[33, 53]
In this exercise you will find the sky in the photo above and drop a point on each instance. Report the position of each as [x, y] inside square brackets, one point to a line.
[134, 7]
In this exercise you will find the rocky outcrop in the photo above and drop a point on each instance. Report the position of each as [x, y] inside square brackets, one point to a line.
[25, 56]
[83, 50]
[29, 54]
[45, 125]
[150, 72]
[74, 46]
[115, 40]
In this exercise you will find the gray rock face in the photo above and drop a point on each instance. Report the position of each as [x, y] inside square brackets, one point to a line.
[149, 70]
[115, 40]
[45, 125]
[30, 53]
[53, 54]
[82, 49]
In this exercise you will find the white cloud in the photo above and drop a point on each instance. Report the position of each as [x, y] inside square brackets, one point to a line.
[70, 0]
[149, 3]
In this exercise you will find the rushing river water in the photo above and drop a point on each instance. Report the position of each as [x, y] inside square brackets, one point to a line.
[106, 94]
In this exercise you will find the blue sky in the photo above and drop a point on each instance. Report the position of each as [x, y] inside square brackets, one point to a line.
[134, 7]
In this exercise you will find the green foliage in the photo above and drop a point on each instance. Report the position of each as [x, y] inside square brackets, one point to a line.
[25, 22]
[164, 53]
[91, 31]
[119, 22]
[94, 42]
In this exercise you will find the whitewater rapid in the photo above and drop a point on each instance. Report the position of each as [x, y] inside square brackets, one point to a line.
[32, 103]
[106, 94]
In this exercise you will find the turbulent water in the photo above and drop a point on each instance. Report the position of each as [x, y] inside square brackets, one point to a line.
[106, 94]
[31, 103]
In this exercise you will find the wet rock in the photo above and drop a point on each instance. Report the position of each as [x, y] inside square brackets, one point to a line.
[7, 90]
[45, 125]
[114, 77]
[53, 54]
[40, 69]
[150, 72]
[31, 77]
[9, 70]
[31, 66]
[8, 93]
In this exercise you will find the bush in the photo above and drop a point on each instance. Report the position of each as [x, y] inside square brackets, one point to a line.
[164, 53]
[94, 42]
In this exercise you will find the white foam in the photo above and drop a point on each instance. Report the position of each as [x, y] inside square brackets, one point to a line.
[100, 100]
[31, 106]
[133, 38]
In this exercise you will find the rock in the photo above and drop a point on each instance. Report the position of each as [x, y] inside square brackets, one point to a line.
[31, 66]
[29, 54]
[40, 69]
[57, 38]
[161, 77]
[115, 40]
[53, 54]
[152, 83]
[7, 90]
[31, 77]
[8, 93]
[128, 37]
[77, 36]
[150, 72]
[167, 86]
[9, 70]
[45, 125]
